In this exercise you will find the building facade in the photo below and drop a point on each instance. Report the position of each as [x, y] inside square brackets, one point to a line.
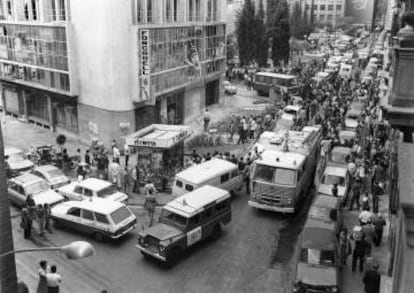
[103, 68]
[324, 11]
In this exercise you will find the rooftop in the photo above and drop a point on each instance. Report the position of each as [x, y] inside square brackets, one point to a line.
[194, 202]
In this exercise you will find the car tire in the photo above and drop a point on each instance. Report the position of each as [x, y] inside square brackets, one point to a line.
[217, 231]
[173, 257]
[99, 237]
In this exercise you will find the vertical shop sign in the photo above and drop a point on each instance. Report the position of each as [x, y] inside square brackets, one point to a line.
[145, 64]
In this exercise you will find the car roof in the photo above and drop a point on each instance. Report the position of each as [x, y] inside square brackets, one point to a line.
[45, 168]
[95, 204]
[26, 179]
[8, 150]
[194, 202]
[94, 184]
[347, 133]
[200, 173]
[327, 201]
[280, 159]
[341, 150]
[336, 171]
[316, 236]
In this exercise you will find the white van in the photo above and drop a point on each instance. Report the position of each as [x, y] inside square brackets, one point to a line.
[216, 172]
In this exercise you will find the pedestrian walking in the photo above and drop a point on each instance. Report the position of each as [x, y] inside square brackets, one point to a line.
[345, 246]
[369, 234]
[26, 223]
[30, 203]
[88, 158]
[53, 280]
[372, 280]
[206, 118]
[42, 272]
[379, 223]
[135, 179]
[365, 203]
[359, 248]
[150, 200]
[246, 177]
[126, 154]
[356, 192]
[116, 154]
[48, 214]
[231, 130]
[40, 216]
[78, 156]
[125, 181]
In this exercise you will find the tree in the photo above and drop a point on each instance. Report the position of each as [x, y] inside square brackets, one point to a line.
[231, 49]
[279, 31]
[299, 24]
[8, 275]
[246, 33]
[260, 34]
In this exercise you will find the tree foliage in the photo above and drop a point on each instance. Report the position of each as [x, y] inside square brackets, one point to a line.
[231, 48]
[262, 40]
[299, 24]
[246, 34]
[279, 30]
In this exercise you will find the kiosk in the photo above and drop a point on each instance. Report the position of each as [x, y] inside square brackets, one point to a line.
[160, 150]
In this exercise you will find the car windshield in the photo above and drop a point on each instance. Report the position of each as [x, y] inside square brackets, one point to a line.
[274, 175]
[55, 173]
[317, 257]
[36, 187]
[332, 179]
[120, 214]
[173, 218]
[15, 157]
[264, 173]
[338, 158]
[320, 213]
[285, 176]
[107, 191]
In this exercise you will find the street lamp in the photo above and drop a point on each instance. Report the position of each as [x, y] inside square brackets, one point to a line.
[74, 250]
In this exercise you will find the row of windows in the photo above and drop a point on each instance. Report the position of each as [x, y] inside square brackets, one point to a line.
[31, 10]
[147, 11]
[185, 75]
[56, 80]
[329, 7]
[323, 17]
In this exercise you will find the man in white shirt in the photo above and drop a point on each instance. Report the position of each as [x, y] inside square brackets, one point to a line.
[116, 153]
[53, 280]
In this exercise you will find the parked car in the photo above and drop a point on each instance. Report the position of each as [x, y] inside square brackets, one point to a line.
[230, 89]
[333, 175]
[186, 220]
[291, 112]
[327, 209]
[101, 218]
[338, 156]
[53, 175]
[346, 135]
[20, 187]
[16, 160]
[92, 187]
[318, 267]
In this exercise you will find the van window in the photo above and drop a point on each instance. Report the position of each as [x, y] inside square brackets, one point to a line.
[78, 190]
[222, 206]
[101, 218]
[178, 183]
[208, 213]
[194, 221]
[234, 173]
[74, 212]
[87, 192]
[88, 215]
[189, 187]
[224, 178]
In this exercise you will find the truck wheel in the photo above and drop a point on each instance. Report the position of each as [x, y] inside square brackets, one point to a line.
[217, 231]
[173, 257]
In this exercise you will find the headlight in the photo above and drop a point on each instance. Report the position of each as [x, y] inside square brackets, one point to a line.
[297, 287]
[162, 249]
[141, 240]
[289, 201]
[334, 289]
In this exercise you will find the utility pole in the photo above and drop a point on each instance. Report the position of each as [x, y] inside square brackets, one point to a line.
[8, 275]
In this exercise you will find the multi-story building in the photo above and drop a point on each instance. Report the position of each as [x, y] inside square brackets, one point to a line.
[100, 68]
[324, 11]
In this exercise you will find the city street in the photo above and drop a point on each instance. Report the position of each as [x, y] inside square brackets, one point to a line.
[254, 254]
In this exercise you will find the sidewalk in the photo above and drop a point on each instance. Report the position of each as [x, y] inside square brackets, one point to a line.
[352, 281]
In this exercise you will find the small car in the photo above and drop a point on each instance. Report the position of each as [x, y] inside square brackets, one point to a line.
[230, 89]
[346, 135]
[318, 267]
[92, 187]
[338, 156]
[20, 187]
[327, 209]
[16, 160]
[101, 218]
[183, 222]
[333, 175]
[291, 112]
[51, 174]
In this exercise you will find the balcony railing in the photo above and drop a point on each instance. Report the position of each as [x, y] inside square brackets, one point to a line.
[50, 15]
[173, 16]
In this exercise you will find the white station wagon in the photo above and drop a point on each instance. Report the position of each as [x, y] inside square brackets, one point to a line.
[92, 187]
[101, 218]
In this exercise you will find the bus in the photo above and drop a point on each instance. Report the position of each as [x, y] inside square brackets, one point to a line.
[286, 83]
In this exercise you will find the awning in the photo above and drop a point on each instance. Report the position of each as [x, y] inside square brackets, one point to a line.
[158, 136]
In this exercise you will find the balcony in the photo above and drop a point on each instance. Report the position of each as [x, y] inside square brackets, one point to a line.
[56, 16]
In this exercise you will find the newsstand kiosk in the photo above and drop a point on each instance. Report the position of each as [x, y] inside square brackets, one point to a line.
[160, 150]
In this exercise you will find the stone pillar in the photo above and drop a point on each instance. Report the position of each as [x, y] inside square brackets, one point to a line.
[50, 112]
[24, 100]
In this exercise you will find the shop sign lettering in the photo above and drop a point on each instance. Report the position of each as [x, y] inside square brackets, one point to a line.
[145, 63]
[146, 143]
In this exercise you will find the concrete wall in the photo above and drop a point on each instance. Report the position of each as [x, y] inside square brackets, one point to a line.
[105, 44]
[103, 124]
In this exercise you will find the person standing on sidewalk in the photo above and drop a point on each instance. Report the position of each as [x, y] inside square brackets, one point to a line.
[379, 223]
[26, 223]
[206, 118]
[372, 280]
[150, 200]
[344, 246]
[53, 280]
[87, 158]
[126, 153]
[231, 130]
[42, 271]
[358, 253]
[125, 181]
[356, 192]
[135, 179]
[369, 234]
[48, 214]
[40, 215]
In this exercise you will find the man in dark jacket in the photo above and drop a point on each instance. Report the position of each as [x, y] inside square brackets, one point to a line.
[372, 280]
